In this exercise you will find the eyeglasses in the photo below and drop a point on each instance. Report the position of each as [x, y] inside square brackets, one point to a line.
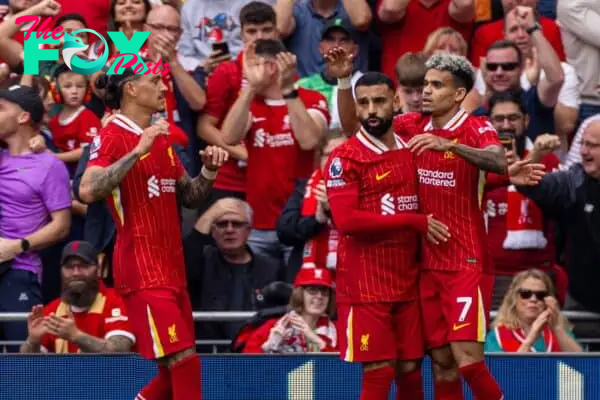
[510, 66]
[499, 118]
[589, 145]
[171, 28]
[225, 223]
[526, 294]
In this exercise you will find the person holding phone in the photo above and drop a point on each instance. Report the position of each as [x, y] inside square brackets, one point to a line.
[519, 235]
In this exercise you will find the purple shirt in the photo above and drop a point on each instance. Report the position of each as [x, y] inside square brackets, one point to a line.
[31, 187]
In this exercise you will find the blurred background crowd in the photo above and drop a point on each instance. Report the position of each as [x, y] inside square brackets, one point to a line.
[537, 64]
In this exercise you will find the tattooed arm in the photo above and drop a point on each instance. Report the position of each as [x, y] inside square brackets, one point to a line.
[192, 192]
[92, 344]
[97, 182]
[489, 159]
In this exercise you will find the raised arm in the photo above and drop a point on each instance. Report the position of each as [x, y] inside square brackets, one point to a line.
[340, 65]
[308, 126]
[286, 22]
[462, 10]
[359, 13]
[392, 10]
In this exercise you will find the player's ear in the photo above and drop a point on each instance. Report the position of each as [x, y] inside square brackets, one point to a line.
[461, 94]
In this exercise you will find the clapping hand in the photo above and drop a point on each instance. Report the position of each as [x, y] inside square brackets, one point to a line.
[340, 64]
[286, 62]
[36, 324]
[161, 127]
[255, 70]
[62, 327]
[213, 157]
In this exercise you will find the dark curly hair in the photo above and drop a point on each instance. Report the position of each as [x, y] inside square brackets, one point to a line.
[113, 87]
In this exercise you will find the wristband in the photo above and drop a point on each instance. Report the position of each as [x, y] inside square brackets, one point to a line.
[344, 83]
[293, 94]
[208, 174]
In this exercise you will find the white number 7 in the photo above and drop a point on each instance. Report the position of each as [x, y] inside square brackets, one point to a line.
[467, 301]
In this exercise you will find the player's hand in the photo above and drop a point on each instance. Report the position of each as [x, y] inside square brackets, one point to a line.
[37, 144]
[437, 232]
[9, 249]
[544, 144]
[161, 127]
[340, 64]
[62, 327]
[213, 157]
[427, 141]
[47, 8]
[36, 325]
[286, 63]
[526, 173]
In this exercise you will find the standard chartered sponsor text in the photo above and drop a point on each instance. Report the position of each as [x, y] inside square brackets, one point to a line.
[436, 178]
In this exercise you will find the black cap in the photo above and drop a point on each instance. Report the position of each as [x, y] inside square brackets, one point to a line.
[340, 24]
[81, 249]
[27, 98]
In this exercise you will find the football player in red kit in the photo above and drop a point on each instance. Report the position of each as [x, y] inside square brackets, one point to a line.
[133, 165]
[372, 189]
[452, 150]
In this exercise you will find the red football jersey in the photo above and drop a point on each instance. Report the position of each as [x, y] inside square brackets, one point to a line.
[451, 189]
[382, 266]
[410, 34]
[74, 132]
[275, 159]
[222, 89]
[106, 317]
[148, 251]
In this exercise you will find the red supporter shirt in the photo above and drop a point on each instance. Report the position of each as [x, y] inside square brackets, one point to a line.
[451, 189]
[148, 251]
[106, 317]
[491, 32]
[496, 207]
[410, 34]
[76, 131]
[96, 14]
[275, 159]
[222, 89]
[374, 266]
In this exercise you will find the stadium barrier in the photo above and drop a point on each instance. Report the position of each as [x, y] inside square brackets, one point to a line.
[247, 377]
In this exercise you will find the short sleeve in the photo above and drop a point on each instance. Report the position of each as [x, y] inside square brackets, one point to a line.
[341, 175]
[491, 343]
[317, 105]
[89, 128]
[569, 95]
[56, 190]
[116, 321]
[105, 150]
[218, 88]
[402, 124]
[485, 135]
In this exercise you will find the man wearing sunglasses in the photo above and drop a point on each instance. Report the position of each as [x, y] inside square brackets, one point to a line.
[504, 65]
[223, 273]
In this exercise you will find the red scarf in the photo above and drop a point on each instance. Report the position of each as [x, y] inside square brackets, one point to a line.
[320, 250]
[511, 339]
[524, 219]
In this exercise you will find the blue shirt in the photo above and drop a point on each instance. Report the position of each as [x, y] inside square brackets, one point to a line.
[304, 41]
[541, 117]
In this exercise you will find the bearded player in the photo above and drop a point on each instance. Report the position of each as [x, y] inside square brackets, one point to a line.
[452, 149]
[372, 189]
[134, 167]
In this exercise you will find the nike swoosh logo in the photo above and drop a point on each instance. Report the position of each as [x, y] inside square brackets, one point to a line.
[460, 326]
[380, 177]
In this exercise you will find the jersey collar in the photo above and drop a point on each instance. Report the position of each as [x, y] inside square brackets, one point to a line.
[127, 124]
[376, 145]
[453, 124]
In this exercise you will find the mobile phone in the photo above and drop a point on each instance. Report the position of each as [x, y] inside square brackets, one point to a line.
[222, 47]
[506, 138]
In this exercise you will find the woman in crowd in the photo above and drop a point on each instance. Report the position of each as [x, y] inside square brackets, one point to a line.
[307, 327]
[529, 319]
[447, 40]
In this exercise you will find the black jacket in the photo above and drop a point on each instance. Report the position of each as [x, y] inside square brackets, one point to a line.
[294, 230]
[210, 281]
[573, 198]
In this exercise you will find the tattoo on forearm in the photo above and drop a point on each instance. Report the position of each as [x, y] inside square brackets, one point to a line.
[192, 192]
[28, 347]
[488, 159]
[104, 181]
[114, 344]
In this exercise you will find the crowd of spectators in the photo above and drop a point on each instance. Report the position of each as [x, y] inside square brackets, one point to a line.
[266, 224]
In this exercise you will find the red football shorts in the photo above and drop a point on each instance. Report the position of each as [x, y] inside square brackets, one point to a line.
[455, 306]
[161, 320]
[372, 332]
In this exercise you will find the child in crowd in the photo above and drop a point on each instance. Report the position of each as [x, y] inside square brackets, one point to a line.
[75, 126]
